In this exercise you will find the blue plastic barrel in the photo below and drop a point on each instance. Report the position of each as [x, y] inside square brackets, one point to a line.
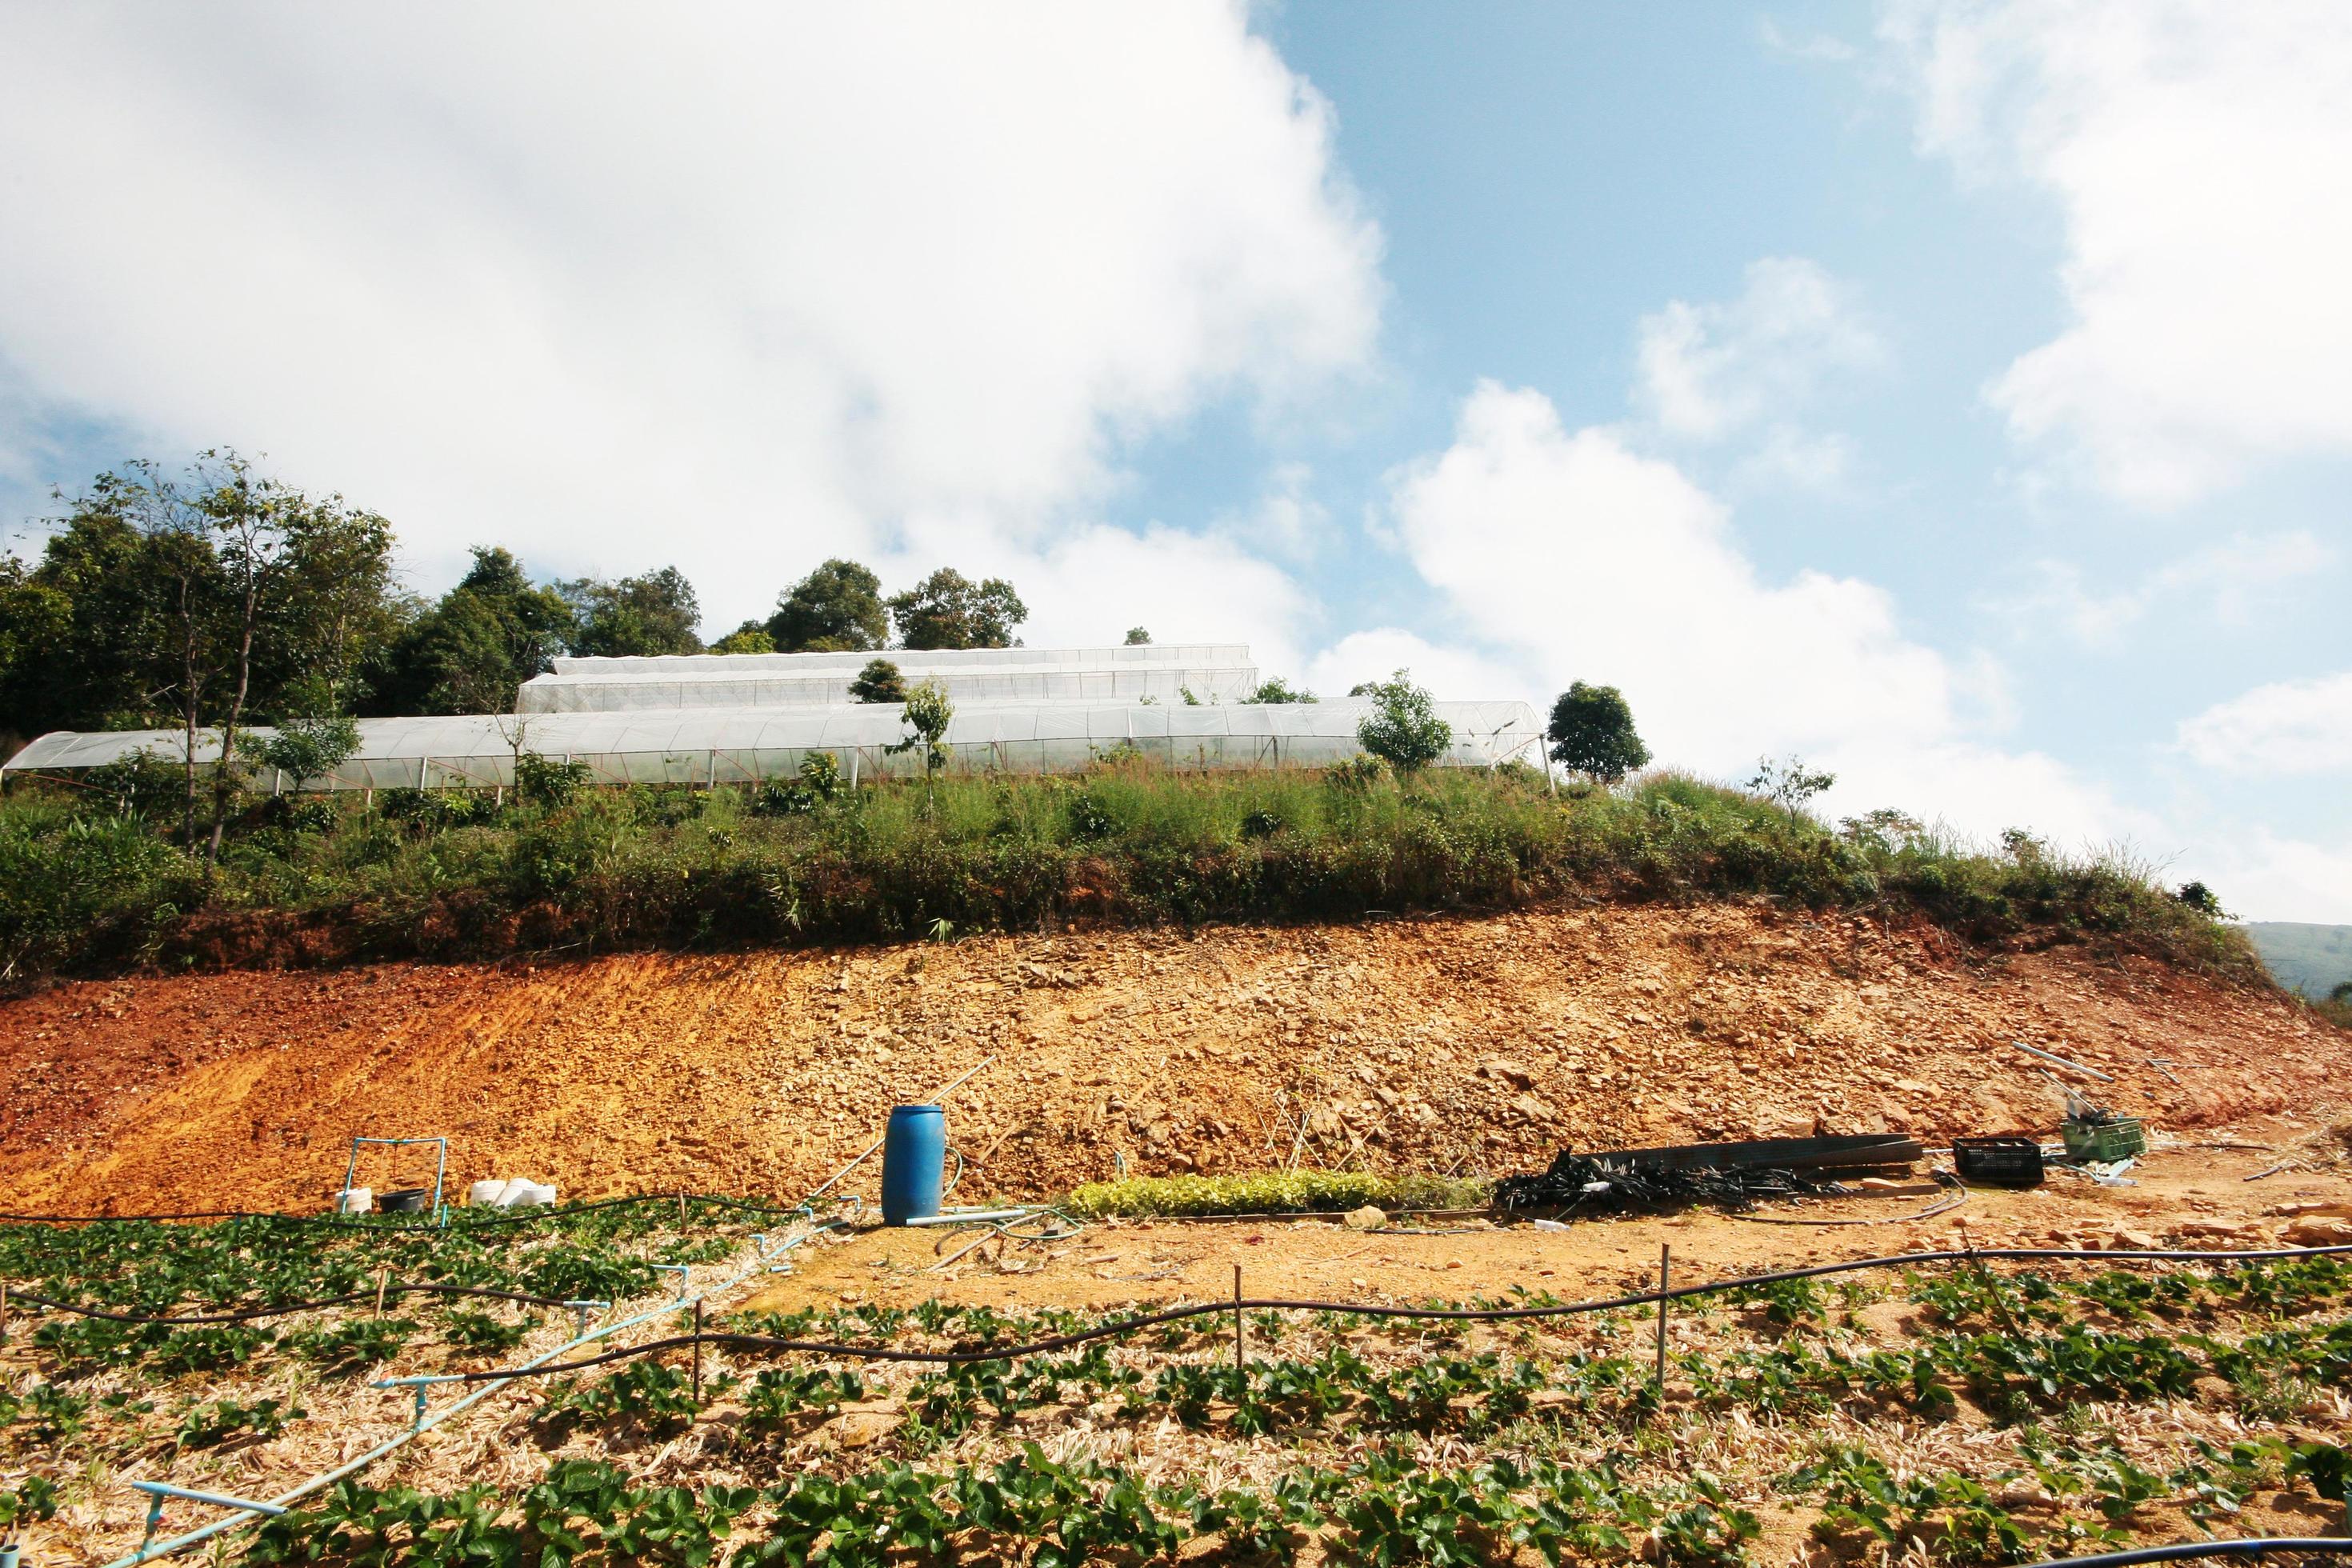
[914, 1162]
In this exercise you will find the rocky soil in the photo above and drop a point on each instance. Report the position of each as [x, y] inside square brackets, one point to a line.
[1449, 1045]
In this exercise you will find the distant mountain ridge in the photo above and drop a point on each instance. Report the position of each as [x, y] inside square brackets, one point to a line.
[2311, 959]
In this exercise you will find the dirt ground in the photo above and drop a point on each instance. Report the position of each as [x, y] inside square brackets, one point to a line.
[1447, 1045]
[2191, 1195]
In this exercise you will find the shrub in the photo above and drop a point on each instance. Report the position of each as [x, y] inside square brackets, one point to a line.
[542, 781]
[1404, 729]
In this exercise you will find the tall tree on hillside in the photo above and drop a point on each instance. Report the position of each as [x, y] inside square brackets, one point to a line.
[1591, 732]
[948, 610]
[486, 637]
[656, 612]
[838, 608]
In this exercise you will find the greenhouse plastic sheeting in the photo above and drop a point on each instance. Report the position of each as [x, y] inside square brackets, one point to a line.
[915, 662]
[728, 686]
[728, 745]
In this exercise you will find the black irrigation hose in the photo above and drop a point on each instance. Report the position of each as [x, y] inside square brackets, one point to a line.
[2182, 1551]
[249, 1314]
[1457, 1314]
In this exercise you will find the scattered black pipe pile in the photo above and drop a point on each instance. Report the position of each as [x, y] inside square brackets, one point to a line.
[1613, 1183]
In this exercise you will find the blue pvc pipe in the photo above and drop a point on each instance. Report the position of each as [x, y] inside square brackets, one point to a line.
[914, 1162]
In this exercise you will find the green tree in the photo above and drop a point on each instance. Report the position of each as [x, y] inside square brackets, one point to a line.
[926, 714]
[1277, 689]
[838, 608]
[82, 635]
[214, 594]
[946, 609]
[1137, 637]
[1404, 729]
[879, 682]
[751, 636]
[1591, 732]
[632, 616]
[470, 652]
[1789, 783]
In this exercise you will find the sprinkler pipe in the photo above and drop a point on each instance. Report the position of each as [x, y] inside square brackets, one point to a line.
[159, 1491]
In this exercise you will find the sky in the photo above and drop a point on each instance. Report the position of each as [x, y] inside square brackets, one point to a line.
[1956, 394]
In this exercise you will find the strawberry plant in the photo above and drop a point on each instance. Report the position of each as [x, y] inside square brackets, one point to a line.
[207, 1425]
[36, 1498]
[643, 1394]
[779, 1394]
[208, 1348]
[355, 1346]
[481, 1332]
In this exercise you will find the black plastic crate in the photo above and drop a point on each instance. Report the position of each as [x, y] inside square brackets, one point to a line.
[2000, 1161]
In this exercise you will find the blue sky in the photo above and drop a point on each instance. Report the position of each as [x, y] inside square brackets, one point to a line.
[1954, 393]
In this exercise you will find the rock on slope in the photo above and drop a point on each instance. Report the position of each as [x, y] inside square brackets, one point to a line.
[1452, 1045]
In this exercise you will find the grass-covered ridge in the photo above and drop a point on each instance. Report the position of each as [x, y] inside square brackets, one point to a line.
[91, 882]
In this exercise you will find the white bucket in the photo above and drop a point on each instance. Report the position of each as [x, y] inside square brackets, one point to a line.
[485, 1194]
[523, 1194]
[355, 1200]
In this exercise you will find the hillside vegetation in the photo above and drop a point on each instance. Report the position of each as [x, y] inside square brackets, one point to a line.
[90, 880]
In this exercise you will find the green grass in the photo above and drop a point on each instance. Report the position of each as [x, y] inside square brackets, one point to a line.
[88, 887]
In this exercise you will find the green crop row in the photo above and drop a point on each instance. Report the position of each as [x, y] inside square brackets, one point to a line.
[1383, 1509]
[1274, 1192]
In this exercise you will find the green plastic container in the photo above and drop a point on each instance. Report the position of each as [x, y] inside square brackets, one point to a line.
[2105, 1141]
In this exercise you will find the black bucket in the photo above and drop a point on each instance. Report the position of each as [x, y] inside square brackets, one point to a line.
[2003, 1160]
[403, 1200]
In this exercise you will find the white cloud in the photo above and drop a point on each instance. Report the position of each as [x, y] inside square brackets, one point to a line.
[2267, 877]
[1565, 555]
[2288, 727]
[731, 286]
[2235, 580]
[1588, 561]
[1448, 670]
[1824, 47]
[1708, 371]
[1286, 519]
[2197, 154]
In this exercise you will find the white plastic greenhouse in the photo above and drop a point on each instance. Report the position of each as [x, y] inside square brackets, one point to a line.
[729, 745]
[767, 680]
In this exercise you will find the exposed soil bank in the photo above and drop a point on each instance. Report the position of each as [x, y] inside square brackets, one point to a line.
[1440, 1044]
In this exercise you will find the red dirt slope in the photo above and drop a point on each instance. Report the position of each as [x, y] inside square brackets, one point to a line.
[1461, 1045]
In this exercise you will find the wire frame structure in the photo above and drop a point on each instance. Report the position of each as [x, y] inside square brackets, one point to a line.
[743, 746]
